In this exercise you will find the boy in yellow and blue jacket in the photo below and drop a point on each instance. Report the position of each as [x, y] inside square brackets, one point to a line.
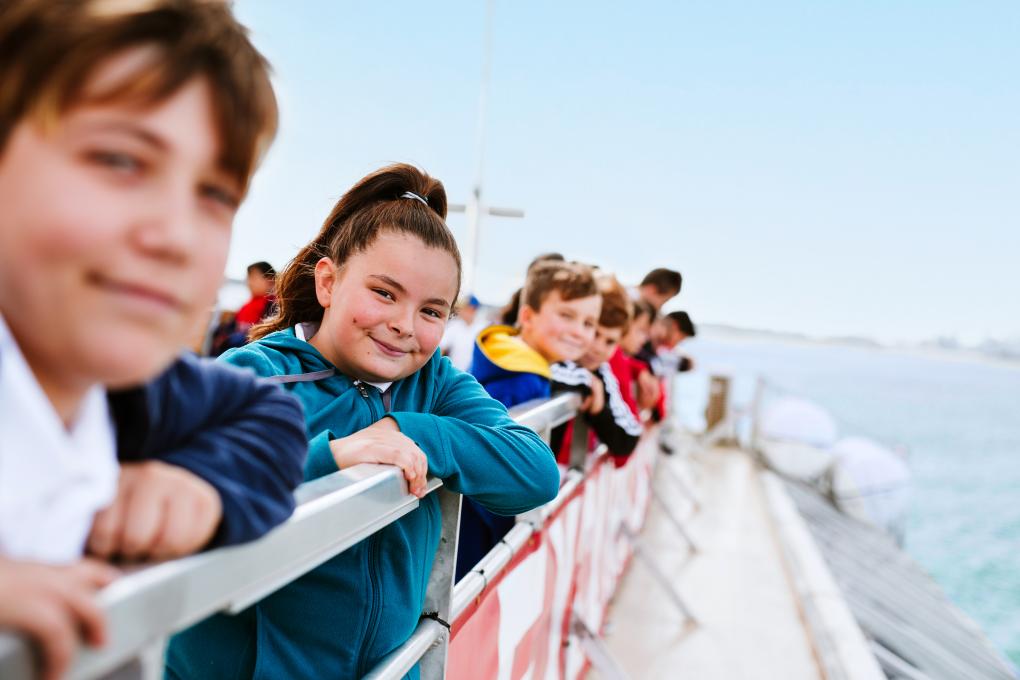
[560, 306]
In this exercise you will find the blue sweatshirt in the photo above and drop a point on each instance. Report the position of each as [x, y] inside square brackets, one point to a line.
[509, 369]
[342, 618]
[241, 435]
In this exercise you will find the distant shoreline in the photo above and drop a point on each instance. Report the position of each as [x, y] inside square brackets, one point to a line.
[1002, 357]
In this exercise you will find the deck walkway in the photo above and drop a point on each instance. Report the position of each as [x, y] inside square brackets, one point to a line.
[736, 584]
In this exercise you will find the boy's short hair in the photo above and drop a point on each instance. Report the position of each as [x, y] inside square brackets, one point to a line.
[264, 268]
[546, 257]
[573, 280]
[617, 309]
[683, 322]
[50, 48]
[664, 280]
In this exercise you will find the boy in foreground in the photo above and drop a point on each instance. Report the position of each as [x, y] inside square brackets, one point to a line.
[128, 136]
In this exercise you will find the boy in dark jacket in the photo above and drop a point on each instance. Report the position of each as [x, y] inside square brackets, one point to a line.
[611, 418]
[128, 136]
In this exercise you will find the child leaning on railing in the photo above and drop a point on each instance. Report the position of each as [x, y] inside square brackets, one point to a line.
[128, 135]
[361, 311]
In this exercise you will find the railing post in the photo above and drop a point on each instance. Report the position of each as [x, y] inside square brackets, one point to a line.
[718, 401]
[439, 594]
[579, 443]
[756, 407]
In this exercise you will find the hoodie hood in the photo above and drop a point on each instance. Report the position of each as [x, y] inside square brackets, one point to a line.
[500, 351]
[279, 354]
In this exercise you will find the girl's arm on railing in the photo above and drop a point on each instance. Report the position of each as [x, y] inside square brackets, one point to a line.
[478, 450]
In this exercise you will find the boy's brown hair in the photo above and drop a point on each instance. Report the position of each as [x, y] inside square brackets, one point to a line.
[573, 280]
[50, 48]
[664, 280]
[617, 309]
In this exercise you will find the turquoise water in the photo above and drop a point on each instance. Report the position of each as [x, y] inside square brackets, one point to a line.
[960, 421]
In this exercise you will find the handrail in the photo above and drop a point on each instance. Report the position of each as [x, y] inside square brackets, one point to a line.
[151, 602]
[154, 601]
[542, 415]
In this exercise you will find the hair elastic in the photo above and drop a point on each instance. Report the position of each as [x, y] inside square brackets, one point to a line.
[411, 194]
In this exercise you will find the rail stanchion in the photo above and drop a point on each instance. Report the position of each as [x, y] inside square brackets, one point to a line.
[597, 651]
[439, 594]
[660, 576]
[686, 488]
[668, 512]
[430, 642]
[579, 444]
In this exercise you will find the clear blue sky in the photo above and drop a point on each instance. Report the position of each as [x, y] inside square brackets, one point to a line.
[813, 166]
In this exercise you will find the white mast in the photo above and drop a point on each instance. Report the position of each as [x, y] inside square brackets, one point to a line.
[476, 206]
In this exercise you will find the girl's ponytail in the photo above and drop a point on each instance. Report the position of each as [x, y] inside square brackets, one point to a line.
[378, 202]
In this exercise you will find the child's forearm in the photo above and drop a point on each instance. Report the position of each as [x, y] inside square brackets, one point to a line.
[479, 451]
[243, 436]
[505, 467]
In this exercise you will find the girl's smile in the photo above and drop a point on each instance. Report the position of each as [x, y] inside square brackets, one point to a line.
[385, 308]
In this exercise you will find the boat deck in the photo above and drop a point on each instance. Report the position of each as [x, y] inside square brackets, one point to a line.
[736, 584]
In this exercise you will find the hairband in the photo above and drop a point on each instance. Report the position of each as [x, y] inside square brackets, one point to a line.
[411, 194]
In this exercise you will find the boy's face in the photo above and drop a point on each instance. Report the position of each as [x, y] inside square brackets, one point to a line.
[561, 330]
[652, 294]
[386, 308]
[636, 336]
[113, 234]
[665, 333]
[602, 347]
[258, 283]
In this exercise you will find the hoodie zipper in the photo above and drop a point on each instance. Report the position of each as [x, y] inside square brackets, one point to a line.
[384, 397]
[373, 548]
[374, 611]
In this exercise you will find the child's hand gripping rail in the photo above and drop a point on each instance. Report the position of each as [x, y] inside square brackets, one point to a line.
[146, 606]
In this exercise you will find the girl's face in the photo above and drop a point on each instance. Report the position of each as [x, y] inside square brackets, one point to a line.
[561, 330]
[386, 308]
[113, 236]
[636, 336]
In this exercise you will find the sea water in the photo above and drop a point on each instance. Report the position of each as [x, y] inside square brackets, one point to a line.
[957, 420]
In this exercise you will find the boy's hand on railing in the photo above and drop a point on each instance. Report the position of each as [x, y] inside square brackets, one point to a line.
[161, 511]
[54, 605]
[596, 401]
[382, 442]
[648, 389]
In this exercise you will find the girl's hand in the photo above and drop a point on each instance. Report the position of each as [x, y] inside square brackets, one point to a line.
[53, 606]
[383, 442]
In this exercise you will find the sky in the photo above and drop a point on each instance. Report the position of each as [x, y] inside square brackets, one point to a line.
[809, 166]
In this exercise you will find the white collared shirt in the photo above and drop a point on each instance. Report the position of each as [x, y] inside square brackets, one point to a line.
[53, 479]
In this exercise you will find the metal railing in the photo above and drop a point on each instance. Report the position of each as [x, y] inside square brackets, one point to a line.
[150, 603]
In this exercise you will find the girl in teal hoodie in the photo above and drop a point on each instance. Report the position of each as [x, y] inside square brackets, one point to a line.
[361, 311]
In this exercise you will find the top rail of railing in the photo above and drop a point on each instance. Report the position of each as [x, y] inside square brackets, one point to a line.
[151, 602]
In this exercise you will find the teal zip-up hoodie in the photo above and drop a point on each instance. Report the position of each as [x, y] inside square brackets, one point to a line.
[342, 618]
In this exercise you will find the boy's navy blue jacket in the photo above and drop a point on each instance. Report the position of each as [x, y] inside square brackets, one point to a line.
[242, 435]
